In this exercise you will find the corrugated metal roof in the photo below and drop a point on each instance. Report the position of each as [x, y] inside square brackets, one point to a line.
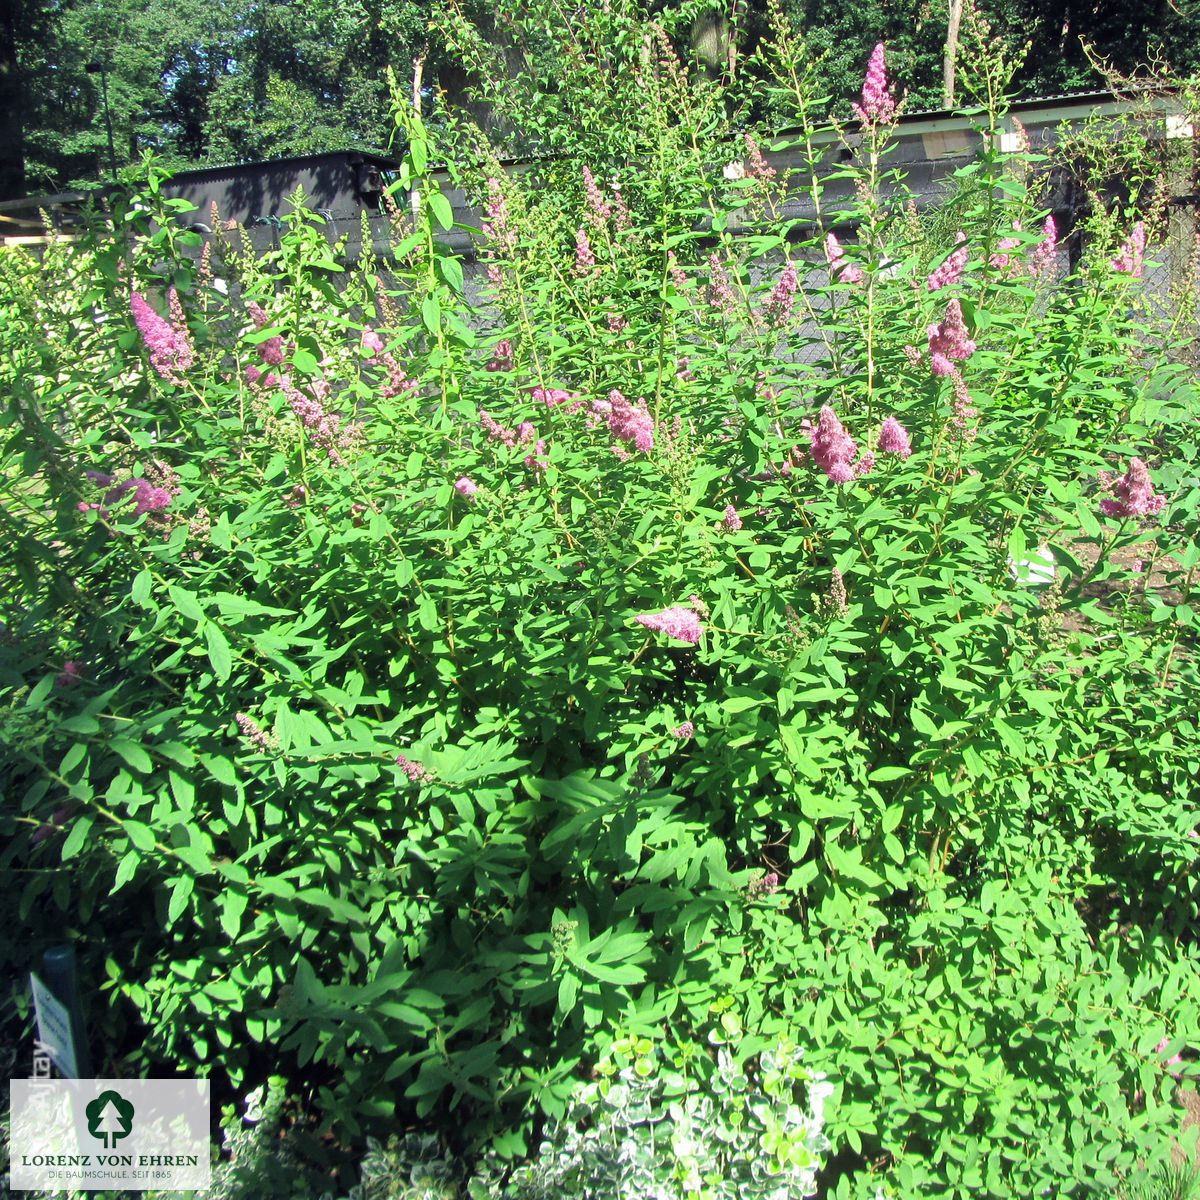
[388, 164]
[1086, 96]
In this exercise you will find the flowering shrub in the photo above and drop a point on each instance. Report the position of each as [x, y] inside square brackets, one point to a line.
[641, 634]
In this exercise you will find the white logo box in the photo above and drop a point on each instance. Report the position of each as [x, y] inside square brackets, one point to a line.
[92, 1134]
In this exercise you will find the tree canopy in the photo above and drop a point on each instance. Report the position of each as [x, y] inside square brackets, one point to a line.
[213, 81]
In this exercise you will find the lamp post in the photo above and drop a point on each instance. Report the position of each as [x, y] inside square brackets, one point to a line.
[93, 68]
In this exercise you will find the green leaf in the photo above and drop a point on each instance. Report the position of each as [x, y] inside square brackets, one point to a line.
[139, 593]
[274, 886]
[568, 993]
[40, 691]
[431, 313]
[126, 869]
[221, 769]
[440, 207]
[181, 893]
[451, 272]
[233, 905]
[341, 909]
[133, 754]
[622, 973]
[418, 152]
[218, 652]
[186, 603]
[140, 835]
[73, 757]
[78, 835]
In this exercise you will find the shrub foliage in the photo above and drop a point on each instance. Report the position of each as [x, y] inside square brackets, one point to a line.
[407, 689]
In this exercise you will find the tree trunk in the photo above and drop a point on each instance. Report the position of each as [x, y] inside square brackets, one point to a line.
[955, 19]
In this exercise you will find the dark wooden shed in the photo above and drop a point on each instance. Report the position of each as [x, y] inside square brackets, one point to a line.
[338, 186]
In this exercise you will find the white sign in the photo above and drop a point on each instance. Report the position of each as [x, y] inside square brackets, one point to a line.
[101, 1134]
[54, 1028]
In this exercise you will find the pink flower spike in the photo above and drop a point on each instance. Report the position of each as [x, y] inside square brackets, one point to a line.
[372, 343]
[169, 345]
[1129, 259]
[731, 521]
[951, 270]
[719, 292]
[465, 487]
[250, 730]
[877, 106]
[414, 770]
[503, 357]
[630, 422]
[537, 461]
[600, 210]
[764, 883]
[841, 271]
[759, 167]
[146, 496]
[585, 260]
[1134, 492]
[894, 439]
[70, 673]
[782, 298]
[678, 622]
[833, 449]
[949, 340]
[1046, 251]
[1002, 259]
[684, 731]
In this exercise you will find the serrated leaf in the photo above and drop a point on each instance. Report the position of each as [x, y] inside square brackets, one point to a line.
[276, 887]
[140, 835]
[186, 603]
[221, 769]
[133, 754]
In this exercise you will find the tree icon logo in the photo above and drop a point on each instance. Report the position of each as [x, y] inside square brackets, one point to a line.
[109, 1118]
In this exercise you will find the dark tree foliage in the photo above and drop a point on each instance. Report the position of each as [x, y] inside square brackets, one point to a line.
[239, 80]
[1129, 37]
